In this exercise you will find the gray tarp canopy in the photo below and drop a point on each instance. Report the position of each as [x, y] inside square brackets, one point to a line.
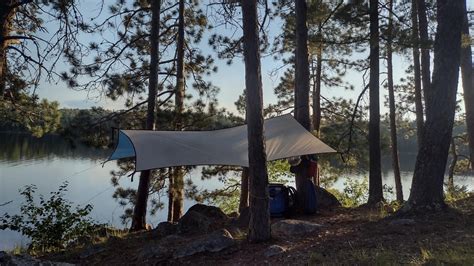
[284, 136]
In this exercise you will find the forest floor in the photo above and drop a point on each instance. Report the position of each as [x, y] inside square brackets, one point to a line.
[349, 236]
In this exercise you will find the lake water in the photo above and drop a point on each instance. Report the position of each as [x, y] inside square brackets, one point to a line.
[49, 161]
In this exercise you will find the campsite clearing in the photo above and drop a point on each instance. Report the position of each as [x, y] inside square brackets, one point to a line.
[358, 235]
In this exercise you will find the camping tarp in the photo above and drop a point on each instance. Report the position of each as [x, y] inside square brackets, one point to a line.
[284, 136]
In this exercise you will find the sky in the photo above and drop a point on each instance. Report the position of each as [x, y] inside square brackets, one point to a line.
[229, 78]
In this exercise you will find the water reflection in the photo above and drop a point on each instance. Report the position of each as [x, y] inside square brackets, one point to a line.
[17, 148]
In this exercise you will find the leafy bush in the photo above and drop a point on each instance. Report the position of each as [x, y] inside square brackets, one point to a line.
[456, 193]
[51, 225]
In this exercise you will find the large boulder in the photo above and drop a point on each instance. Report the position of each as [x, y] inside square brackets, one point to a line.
[214, 242]
[293, 228]
[201, 218]
[325, 200]
[164, 229]
[274, 250]
[23, 260]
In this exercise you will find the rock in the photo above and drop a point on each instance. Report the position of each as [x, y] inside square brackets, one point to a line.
[325, 200]
[23, 260]
[273, 250]
[217, 241]
[194, 222]
[211, 212]
[291, 228]
[402, 222]
[172, 239]
[164, 229]
[201, 218]
[91, 251]
[153, 251]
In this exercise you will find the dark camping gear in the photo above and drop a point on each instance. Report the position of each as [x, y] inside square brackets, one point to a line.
[310, 196]
[282, 200]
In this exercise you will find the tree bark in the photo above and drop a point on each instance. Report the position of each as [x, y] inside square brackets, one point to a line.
[244, 189]
[468, 84]
[375, 172]
[139, 212]
[452, 166]
[5, 27]
[178, 172]
[392, 114]
[425, 50]
[417, 73]
[170, 196]
[301, 89]
[317, 98]
[259, 225]
[427, 185]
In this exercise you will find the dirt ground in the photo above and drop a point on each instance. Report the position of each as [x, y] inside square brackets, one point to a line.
[358, 236]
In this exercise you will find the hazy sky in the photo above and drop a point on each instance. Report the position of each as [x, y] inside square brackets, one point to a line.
[229, 78]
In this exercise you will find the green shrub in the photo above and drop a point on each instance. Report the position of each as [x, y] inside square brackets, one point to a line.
[53, 223]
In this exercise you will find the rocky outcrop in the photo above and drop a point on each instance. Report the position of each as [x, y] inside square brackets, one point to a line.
[23, 260]
[325, 200]
[293, 228]
[164, 229]
[215, 242]
[274, 250]
[201, 218]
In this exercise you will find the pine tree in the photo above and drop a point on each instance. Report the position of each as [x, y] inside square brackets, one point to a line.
[259, 225]
[427, 186]
[392, 111]
[375, 174]
[467, 82]
[140, 210]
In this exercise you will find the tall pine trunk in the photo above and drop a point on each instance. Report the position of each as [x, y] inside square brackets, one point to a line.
[5, 19]
[467, 83]
[244, 189]
[317, 97]
[139, 212]
[425, 50]
[259, 225]
[375, 172]
[427, 185]
[417, 73]
[392, 114]
[170, 195]
[452, 166]
[178, 173]
[301, 90]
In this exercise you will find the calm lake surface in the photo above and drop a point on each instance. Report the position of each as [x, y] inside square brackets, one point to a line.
[49, 161]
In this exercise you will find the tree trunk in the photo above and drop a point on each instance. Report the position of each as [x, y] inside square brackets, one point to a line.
[452, 166]
[317, 98]
[301, 89]
[139, 212]
[178, 172]
[425, 50]
[170, 195]
[259, 225]
[391, 100]
[375, 174]
[427, 185]
[244, 189]
[467, 84]
[5, 17]
[417, 73]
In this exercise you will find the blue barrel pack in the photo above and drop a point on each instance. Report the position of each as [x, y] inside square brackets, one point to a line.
[282, 199]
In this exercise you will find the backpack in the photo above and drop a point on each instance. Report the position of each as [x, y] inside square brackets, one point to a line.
[282, 200]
